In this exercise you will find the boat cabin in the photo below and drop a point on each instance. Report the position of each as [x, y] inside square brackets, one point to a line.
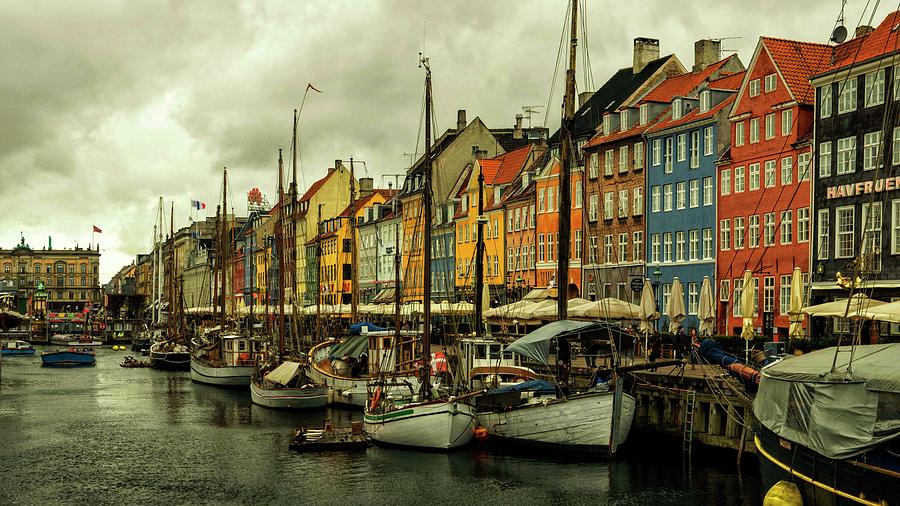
[486, 363]
[382, 355]
[16, 345]
[238, 350]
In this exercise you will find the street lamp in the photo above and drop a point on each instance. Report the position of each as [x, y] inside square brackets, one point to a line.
[657, 295]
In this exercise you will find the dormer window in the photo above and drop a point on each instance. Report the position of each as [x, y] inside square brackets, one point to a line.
[623, 120]
[704, 100]
[606, 124]
[676, 108]
[645, 114]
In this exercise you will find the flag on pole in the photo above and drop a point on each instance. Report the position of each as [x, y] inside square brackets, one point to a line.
[196, 204]
[310, 86]
[97, 229]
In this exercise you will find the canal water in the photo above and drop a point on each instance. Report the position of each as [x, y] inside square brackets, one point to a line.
[109, 435]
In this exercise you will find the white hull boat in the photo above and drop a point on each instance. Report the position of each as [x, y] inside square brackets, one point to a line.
[222, 375]
[226, 362]
[581, 423]
[438, 425]
[280, 397]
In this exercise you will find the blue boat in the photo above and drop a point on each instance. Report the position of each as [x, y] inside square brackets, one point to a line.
[69, 357]
[16, 348]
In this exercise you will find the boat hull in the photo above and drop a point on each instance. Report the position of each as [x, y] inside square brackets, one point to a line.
[16, 352]
[435, 425]
[581, 423]
[68, 358]
[224, 376]
[289, 398]
[170, 361]
[822, 480]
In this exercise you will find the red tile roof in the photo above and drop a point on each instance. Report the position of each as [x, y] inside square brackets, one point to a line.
[683, 84]
[631, 132]
[511, 164]
[884, 40]
[798, 61]
[693, 115]
[364, 202]
[729, 82]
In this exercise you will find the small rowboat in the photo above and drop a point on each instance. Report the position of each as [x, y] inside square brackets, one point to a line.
[330, 439]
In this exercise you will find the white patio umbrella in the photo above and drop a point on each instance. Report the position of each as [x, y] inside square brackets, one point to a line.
[748, 307]
[675, 306]
[648, 312]
[859, 306]
[795, 313]
[706, 312]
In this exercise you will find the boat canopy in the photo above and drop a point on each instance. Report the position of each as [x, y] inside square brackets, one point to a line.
[840, 412]
[284, 373]
[353, 346]
[536, 345]
[356, 328]
[537, 386]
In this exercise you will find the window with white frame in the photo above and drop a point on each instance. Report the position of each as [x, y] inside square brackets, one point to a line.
[668, 155]
[695, 149]
[667, 247]
[654, 248]
[803, 224]
[871, 150]
[725, 234]
[874, 88]
[787, 122]
[645, 114]
[770, 173]
[895, 147]
[680, 195]
[594, 165]
[608, 163]
[896, 74]
[725, 182]
[825, 159]
[823, 222]
[577, 199]
[607, 124]
[754, 87]
[871, 237]
[753, 231]
[787, 170]
[541, 256]
[739, 133]
[679, 246]
[695, 193]
[656, 152]
[623, 203]
[592, 207]
[592, 251]
[676, 108]
[704, 100]
[541, 200]
[784, 294]
[770, 83]
[738, 232]
[623, 247]
[682, 147]
[637, 241]
[667, 197]
[787, 227]
[693, 302]
[623, 159]
[769, 293]
[754, 176]
[550, 193]
[846, 155]
[736, 297]
[694, 244]
[708, 195]
[769, 229]
[623, 120]
[666, 293]
[895, 225]
[638, 156]
[803, 166]
[707, 244]
[754, 130]
[770, 126]
[608, 248]
[708, 141]
[738, 180]
[724, 290]
[655, 203]
[844, 231]
[608, 208]
[825, 101]
[637, 201]
[576, 254]
[847, 96]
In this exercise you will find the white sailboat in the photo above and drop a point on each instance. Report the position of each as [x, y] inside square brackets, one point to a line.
[418, 419]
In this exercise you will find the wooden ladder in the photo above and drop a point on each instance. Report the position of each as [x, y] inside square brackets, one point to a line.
[688, 426]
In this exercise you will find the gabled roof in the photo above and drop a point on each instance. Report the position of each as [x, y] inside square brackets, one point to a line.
[315, 186]
[797, 62]
[682, 85]
[884, 40]
[729, 82]
[364, 202]
[610, 96]
[504, 168]
[691, 116]
[637, 129]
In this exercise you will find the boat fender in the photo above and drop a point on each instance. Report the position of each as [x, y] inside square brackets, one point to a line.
[376, 396]
[481, 433]
[783, 493]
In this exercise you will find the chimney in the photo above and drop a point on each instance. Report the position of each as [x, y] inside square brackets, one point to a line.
[862, 30]
[517, 133]
[366, 185]
[337, 164]
[583, 97]
[706, 52]
[49, 242]
[645, 51]
[461, 120]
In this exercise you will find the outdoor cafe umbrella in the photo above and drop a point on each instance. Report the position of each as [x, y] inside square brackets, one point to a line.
[706, 312]
[648, 312]
[748, 307]
[858, 307]
[675, 306]
[795, 314]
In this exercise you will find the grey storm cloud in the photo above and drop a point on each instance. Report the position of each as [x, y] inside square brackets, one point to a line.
[106, 105]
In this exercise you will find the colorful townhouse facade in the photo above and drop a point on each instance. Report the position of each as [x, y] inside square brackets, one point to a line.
[520, 198]
[547, 227]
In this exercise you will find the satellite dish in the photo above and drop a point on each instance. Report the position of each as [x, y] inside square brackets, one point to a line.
[839, 34]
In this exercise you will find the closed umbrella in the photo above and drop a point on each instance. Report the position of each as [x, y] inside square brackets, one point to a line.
[675, 306]
[706, 312]
[748, 306]
[648, 312]
[795, 314]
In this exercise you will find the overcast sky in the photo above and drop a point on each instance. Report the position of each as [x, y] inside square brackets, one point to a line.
[105, 106]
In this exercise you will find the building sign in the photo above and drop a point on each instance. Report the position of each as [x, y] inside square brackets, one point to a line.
[637, 284]
[863, 188]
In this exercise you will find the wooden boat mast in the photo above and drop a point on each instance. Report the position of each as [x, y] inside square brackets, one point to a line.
[279, 240]
[223, 248]
[292, 239]
[319, 271]
[426, 242]
[354, 273]
[479, 252]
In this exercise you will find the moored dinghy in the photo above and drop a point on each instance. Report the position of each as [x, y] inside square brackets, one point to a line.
[287, 387]
[16, 348]
[69, 357]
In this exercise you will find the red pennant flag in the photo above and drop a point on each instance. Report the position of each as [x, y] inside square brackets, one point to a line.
[97, 229]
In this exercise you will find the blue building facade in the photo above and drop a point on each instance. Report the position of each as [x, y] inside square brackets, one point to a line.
[683, 149]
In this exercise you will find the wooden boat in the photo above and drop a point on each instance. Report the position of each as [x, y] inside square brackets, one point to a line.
[16, 348]
[440, 424]
[328, 438]
[227, 362]
[74, 340]
[287, 387]
[170, 355]
[69, 357]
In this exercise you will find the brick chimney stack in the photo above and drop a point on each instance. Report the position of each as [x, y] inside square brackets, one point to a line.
[706, 52]
[366, 187]
[461, 120]
[645, 51]
[863, 30]
[517, 133]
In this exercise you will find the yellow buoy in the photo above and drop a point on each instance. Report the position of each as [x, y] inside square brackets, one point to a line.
[783, 493]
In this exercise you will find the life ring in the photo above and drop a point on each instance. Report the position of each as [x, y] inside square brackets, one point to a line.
[376, 396]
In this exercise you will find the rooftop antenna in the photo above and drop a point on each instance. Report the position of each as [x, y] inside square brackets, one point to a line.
[839, 34]
[412, 156]
[721, 50]
[528, 110]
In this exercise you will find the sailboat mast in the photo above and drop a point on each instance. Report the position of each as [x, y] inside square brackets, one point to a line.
[224, 246]
[172, 269]
[153, 299]
[479, 253]
[354, 300]
[217, 262]
[397, 259]
[319, 271]
[279, 239]
[160, 270]
[426, 243]
[567, 157]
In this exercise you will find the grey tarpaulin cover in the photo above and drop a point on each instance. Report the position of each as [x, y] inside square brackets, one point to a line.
[353, 346]
[284, 373]
[839, 414]
[536, 345]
